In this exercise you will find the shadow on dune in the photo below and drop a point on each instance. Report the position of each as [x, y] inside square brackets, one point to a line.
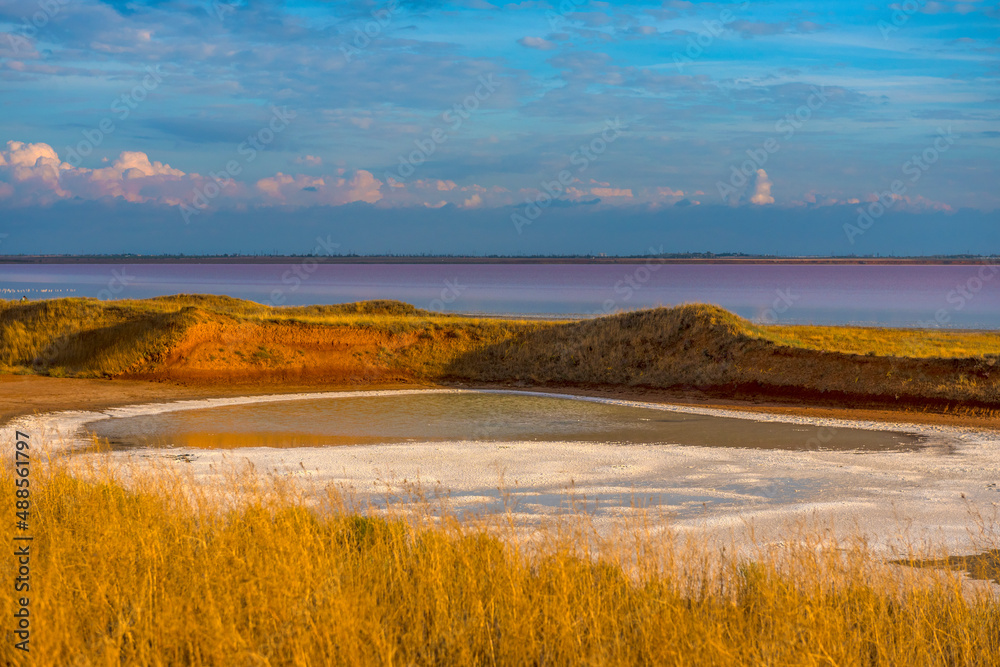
[710, 350]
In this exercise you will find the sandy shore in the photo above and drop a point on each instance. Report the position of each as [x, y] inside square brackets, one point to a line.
[933, 496]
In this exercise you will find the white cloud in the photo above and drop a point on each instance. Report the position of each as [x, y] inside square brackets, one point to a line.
[35, 175]
[761, 189]
[537, 43]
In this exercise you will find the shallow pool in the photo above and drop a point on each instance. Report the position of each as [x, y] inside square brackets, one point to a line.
[493, 417]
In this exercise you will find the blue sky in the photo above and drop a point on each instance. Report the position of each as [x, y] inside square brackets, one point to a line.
[144, 126]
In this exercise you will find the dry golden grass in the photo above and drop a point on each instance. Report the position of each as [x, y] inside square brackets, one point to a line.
[135, 568]
[886, 342]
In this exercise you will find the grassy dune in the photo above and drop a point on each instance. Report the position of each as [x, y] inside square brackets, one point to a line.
[710, 349]
[219, 339]
[146, 572]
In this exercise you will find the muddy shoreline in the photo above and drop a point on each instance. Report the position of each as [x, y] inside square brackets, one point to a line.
[31, 394]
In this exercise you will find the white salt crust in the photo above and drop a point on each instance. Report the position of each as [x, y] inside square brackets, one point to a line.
[937, 495]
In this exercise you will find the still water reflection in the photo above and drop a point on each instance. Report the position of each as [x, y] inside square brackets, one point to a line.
[470, 416]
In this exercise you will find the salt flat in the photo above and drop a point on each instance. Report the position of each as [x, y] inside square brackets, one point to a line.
[934, 495]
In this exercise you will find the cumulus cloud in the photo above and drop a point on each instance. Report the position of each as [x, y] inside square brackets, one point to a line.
[31, 168]
[20, 154]
[34, 174]
[305, 190]
[761, 189]
[132, 176]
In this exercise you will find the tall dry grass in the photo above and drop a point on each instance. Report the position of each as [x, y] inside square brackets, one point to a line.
[136, 566]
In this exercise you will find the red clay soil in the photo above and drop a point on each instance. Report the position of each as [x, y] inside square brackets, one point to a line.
[223, 351]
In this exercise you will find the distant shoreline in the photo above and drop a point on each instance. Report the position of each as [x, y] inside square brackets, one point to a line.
[670, 259]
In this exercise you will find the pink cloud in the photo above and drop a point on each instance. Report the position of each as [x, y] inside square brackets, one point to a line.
[305, 190]
[761, 189]
[309, 160]
[611, 192]
[34, 174]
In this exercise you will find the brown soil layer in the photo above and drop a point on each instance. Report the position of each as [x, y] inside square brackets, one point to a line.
[221, 350]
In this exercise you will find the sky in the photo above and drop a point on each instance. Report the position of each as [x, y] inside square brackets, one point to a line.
[479, 127]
